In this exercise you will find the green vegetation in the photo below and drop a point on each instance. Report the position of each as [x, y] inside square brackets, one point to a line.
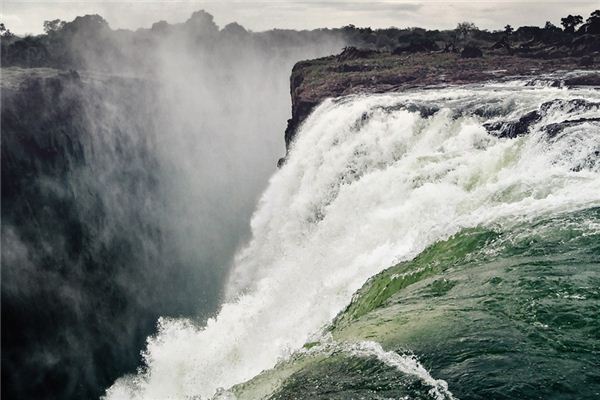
[67, 44]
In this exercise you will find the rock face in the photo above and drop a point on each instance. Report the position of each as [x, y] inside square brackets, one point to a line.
[354, 72]
[54, 275]
[82, 251]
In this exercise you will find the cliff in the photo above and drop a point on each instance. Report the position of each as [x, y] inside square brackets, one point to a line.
[366, 71]
[63, 250]
[83, 248]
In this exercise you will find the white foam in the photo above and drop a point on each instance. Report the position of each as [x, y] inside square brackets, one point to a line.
[366, 185]
[407, 364]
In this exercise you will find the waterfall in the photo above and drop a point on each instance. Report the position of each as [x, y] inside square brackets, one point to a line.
[370, 181]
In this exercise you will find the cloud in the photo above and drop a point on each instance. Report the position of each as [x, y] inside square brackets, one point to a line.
[364, 6]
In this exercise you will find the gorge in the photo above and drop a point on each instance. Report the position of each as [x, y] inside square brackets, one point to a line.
[431, 232]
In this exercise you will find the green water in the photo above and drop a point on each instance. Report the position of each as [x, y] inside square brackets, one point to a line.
[511, 312]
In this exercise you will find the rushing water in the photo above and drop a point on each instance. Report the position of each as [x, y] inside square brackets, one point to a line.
[374, 181]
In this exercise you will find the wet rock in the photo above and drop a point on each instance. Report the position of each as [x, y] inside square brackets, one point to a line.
[300, 111]
[56, 208]
[584, 80]
[513, 129]
[555, 129]
[570, 105]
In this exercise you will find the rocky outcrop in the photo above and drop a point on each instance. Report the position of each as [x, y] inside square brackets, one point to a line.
[353, 72]
[513, 129]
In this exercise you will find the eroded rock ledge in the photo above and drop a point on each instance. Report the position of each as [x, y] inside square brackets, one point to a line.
[366, 71]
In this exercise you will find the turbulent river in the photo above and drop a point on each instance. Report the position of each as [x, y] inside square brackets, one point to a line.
[440, 243]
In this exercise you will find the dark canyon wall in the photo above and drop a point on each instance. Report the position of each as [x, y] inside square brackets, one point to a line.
[131, 164]
[86, 266]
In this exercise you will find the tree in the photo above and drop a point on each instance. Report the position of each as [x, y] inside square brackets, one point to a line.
[464, 29]
[53, 26]
[202, 23]
[550, 26]
[592, 24]
[160, 26]
[508, 30]
[5, 32]
[88, 24]
[234, 29]
[570, 22]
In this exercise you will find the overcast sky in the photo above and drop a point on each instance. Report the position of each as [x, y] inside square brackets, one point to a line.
[25, 16]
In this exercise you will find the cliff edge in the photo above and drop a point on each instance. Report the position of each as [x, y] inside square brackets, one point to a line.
[367, 71]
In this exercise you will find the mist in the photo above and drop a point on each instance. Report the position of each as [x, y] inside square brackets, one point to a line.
[128, 184]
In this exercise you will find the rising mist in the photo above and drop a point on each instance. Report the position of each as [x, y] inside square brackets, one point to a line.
[128, 183]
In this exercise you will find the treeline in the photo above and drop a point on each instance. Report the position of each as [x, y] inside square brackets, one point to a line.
[89, 39]
[524, 40]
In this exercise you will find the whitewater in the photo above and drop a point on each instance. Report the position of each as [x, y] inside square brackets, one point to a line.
[372, 180]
